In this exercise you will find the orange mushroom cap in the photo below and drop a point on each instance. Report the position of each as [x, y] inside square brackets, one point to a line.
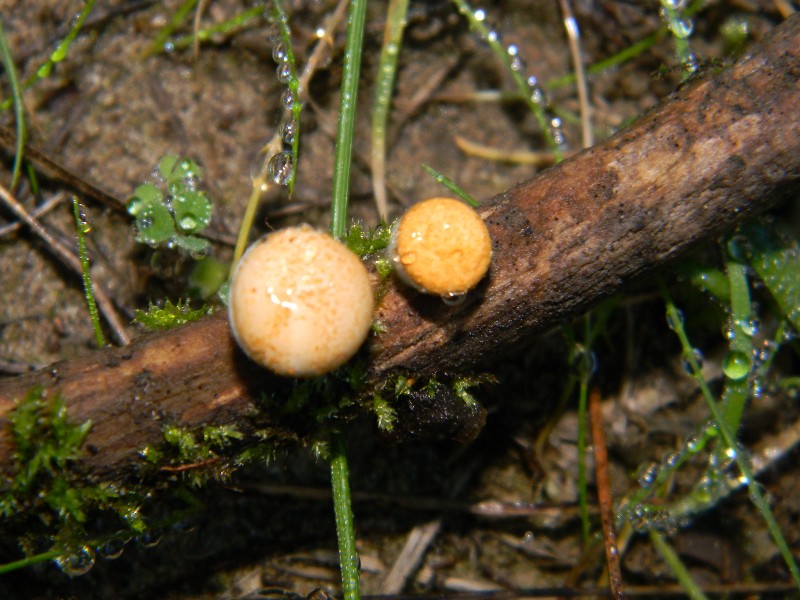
[300, 302]
[441, 246]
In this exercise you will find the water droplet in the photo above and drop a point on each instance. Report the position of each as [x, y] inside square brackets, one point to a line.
[287, 99]
[454, 299]
[681, 28]
[648, 474]
[736, 365]
[289, 131]
[284, 72]
[169, 47]
[676, 322]
[79, 563]
[695, 443]
[149, 538]
[674, 4]
[671, 459]
[113, 548]
[480, 15]
[492, 36]
[692, 361]
[513, 50]
[279, 53]
[748, 326]
[188, 222]
[279, 168]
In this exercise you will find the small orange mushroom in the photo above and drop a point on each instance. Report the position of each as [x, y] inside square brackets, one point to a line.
[300, 302]
[441, 246]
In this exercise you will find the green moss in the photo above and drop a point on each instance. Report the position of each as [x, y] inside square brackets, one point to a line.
[46, 499]
[170, 315]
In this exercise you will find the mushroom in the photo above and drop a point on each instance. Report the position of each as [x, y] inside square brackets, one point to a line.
[300, 302]
[441, 246]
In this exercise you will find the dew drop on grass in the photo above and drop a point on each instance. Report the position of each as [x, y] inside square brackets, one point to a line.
[113, 548]
[287, 99]
[736, 365]
[688, 361]
[648, 474]
[284, 72]
[279, 168]
[279, 53]
[150, 538]
[289, 131]
[675, 323]
[79, 563]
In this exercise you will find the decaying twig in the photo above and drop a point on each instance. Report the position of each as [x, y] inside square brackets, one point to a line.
[718, 150]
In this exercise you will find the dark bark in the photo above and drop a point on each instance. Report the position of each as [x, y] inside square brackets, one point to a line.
[718, 150]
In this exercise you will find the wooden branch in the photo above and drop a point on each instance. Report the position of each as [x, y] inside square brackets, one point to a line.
[716, 151]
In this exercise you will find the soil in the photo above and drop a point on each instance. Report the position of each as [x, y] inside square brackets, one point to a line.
[109, 111]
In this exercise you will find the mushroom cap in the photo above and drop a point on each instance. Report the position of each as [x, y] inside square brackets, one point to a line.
[441, 246]
[300, 302]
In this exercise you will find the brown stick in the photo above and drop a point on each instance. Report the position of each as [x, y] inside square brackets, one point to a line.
[718, 150]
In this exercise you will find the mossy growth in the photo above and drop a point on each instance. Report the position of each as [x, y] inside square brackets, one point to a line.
[371, 244]
[158, 318]
[45, 500]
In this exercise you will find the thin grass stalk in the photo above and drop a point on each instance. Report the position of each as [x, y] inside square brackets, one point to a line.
[282, 21]
[741, 457]
[387, 71]
[82, 227]
[573, 38]
[676, 566]
[19, 107]
[345, 529]
[178, 17]
[347, 114]
[737, 391]
[59, 54]
[519, 78]
[451, 185]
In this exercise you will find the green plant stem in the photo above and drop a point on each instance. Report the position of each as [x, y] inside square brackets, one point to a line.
[517, 75]
[282, 21]
[345, 531]
[81, 227]
[59, 54]
[19, 107]
[177, 18]
[737, 391]
[347, 113]
[234, 23]
[384, 84]
[676, 565]
[741, 457]
[451, 185]
[30, 560]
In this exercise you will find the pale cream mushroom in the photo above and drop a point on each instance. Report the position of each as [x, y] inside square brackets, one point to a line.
[441, 246]
[300, 302]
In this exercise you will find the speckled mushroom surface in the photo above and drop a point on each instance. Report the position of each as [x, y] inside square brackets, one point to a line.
[442, 247]
[300, 302]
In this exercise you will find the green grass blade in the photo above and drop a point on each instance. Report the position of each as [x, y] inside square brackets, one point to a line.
[345, 530]
[347, 116]
[451, 185]
[82, 227]
[19, 108]
[59, 54]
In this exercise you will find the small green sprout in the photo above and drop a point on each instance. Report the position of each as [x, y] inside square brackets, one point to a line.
[174, 210]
